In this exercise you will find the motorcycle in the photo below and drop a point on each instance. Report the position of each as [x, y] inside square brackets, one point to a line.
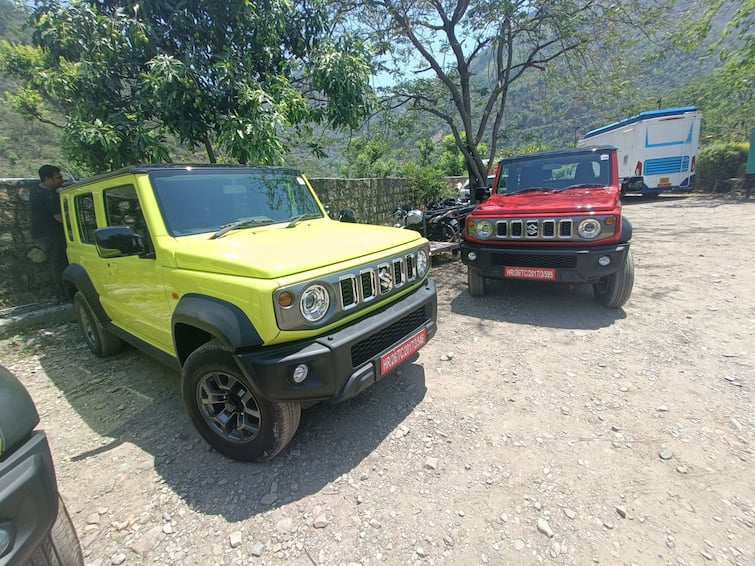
[438, 225]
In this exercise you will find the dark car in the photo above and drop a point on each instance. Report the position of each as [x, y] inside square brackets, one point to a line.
[35, 528]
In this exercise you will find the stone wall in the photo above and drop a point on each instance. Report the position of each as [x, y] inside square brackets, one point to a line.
[25, 276]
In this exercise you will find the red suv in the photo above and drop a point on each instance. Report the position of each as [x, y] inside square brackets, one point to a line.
[553, 216]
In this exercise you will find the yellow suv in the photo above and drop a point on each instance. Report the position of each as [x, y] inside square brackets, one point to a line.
[237, 277]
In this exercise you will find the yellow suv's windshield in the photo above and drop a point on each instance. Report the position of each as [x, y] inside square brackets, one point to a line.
[194, 201]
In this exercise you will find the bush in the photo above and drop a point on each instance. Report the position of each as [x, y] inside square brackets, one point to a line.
[719, 162]
[426, 183]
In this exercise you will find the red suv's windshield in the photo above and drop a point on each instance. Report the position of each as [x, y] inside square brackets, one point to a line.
[554, 172]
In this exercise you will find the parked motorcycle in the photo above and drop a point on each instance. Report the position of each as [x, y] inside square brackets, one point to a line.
[436, 224]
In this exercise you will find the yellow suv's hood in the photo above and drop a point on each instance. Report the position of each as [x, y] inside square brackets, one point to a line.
[275, 251]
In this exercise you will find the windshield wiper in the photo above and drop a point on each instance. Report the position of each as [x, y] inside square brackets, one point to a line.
[582, 186]
[535, 190]
[296, 219]
[246, 223]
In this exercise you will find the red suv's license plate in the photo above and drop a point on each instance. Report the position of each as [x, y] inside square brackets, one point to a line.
[540, 273]
[391, 359]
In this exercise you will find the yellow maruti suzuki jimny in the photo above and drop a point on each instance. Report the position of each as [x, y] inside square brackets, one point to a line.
[237, 277]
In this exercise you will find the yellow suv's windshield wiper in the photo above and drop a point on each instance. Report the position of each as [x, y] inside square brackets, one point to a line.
[245, 223]
[296, 219]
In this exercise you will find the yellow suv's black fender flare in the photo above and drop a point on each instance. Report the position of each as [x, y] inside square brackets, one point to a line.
[75, 275]
[215, 317]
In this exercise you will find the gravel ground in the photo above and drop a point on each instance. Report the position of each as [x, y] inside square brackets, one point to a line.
[536, 427]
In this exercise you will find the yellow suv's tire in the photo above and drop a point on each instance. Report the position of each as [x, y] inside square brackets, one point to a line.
[228, 414]
[101, 342]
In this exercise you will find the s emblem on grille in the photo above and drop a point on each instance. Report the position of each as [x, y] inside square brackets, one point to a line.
[532, 229]
[385, 277]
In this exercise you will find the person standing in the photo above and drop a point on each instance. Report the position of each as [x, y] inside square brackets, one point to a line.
[47, 224]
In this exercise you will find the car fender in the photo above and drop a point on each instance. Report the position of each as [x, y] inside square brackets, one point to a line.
[75, 275]
[218, 318]
[626, 229]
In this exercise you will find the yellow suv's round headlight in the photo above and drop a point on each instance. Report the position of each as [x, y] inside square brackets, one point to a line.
[423, 263]
[314, 303]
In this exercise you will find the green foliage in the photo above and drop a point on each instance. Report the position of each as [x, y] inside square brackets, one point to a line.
[235, 77]
[470, 54]
[426, 149]
[451, 161]
[725, 96]
[426, 183]
[719, 162]
[369, 158]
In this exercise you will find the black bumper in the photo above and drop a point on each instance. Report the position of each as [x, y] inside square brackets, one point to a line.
[572, 265]
[344, 363]
[28, 497]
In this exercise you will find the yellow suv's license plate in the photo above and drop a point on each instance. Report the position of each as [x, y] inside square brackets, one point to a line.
[540, 273]
[411, 345]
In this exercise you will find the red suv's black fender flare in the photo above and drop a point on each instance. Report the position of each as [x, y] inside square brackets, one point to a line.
[216, 317]
[626, 229]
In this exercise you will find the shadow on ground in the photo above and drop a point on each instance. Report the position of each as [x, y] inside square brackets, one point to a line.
[129, 398]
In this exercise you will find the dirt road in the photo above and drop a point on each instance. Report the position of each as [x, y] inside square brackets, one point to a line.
[536, 427]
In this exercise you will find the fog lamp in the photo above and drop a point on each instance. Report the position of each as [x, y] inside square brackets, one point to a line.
[300, 373]
[472, 256]
[604, 260]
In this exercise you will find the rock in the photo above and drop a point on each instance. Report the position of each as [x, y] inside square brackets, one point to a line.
[118, 559]
[431, 463]
[321, 521]
[544, 527]
[235, 539]
[621, 511]
[666, 454]
[257, 549]
[284, 525]
[269, 499]
[147, 541]
[570, 513]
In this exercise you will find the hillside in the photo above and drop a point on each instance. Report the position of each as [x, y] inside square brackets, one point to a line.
[550, 108]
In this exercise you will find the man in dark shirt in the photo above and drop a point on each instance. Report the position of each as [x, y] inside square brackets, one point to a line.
[47, 224]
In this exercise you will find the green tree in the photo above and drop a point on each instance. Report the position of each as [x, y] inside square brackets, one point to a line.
[469, 53]
[726, 96]
[426, 149]
[239, 78]
[451, 161]
[369, 158]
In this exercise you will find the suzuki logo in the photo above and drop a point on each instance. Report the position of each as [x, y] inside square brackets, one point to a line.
[532, 229]
[386, 280]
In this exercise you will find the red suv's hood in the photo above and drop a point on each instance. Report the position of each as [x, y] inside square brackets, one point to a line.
[544, 202]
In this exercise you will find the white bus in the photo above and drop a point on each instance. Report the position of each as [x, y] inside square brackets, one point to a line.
[658, 146]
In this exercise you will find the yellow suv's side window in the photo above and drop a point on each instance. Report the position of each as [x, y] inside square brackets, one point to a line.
[85, 218]
[122, 208]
